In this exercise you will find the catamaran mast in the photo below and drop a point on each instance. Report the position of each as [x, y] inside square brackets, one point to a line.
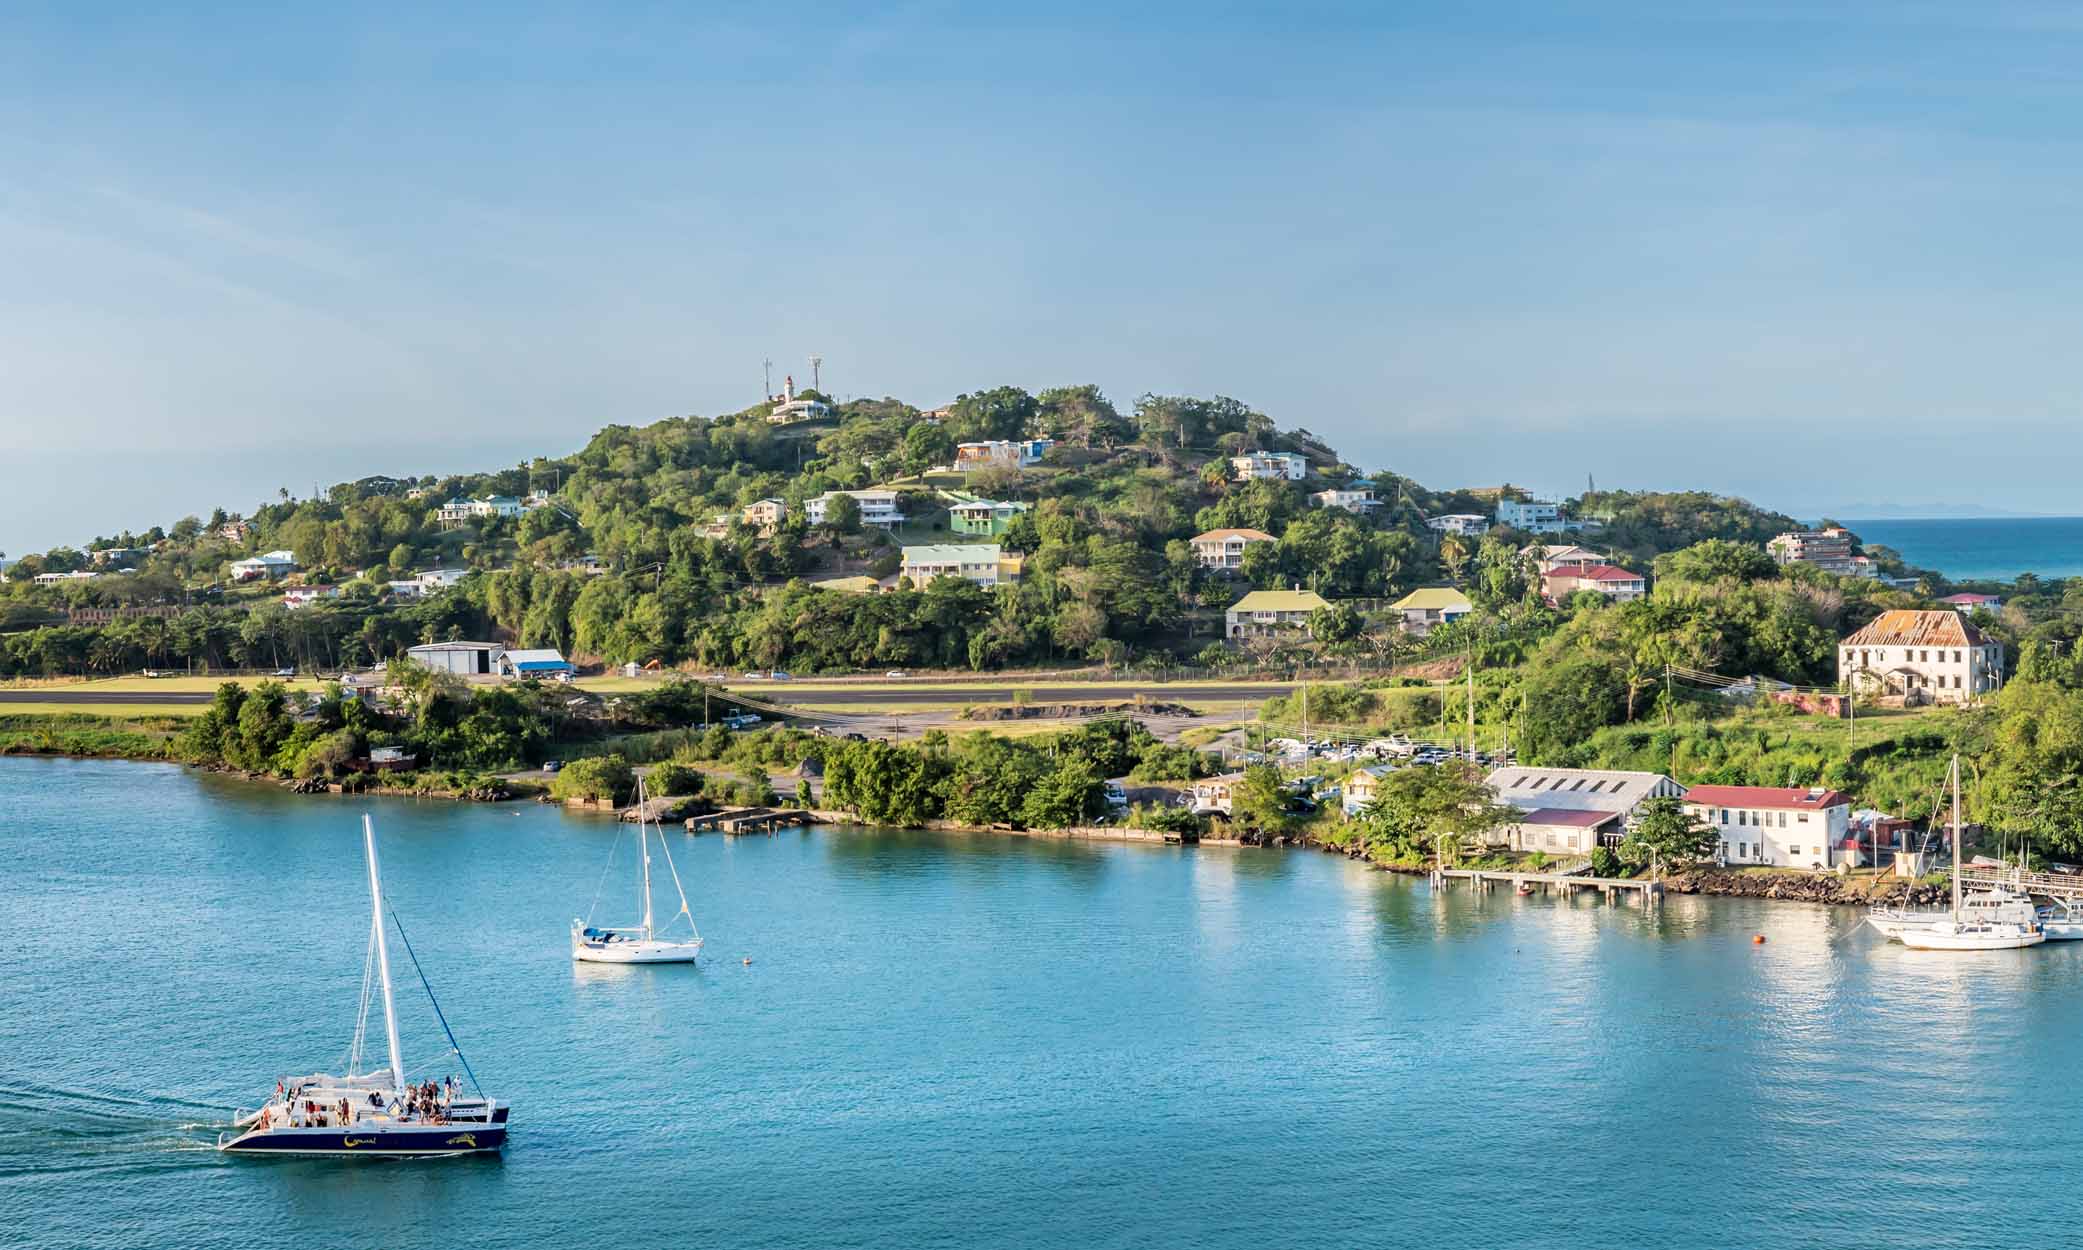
[383, 956]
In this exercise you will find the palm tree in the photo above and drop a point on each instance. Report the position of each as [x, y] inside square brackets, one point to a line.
[1453, 556]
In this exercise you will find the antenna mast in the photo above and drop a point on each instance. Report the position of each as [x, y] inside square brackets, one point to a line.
[766, 369]
[817, 364]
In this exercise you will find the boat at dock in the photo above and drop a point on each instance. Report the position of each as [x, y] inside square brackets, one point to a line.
[374, 1113]
[1962, 931]
[645, 942]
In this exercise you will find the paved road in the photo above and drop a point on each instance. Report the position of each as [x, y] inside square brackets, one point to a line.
[783, 692]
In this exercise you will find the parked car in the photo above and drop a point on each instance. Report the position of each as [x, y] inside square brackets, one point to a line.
[754, 677]
[291, 671]
[551, 766]
[895, 672]
[778, 675]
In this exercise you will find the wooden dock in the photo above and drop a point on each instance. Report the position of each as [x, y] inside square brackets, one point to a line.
[743, 820]
[2054, 885]
[1565, 884]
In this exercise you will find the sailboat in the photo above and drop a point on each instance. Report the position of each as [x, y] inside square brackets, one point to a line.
[374, 1113]
[639, 943]
[1964, 932]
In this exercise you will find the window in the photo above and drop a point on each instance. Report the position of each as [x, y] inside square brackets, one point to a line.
[1724, 815]
[1743, 850]
[1802, 817]
[1782, 820]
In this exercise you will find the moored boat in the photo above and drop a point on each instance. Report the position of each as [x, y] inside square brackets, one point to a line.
[645, 942]
[1961, 931]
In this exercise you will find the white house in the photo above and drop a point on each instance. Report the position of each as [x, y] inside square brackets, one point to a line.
[1363, 787]
[457, 512]
[878, 507]
[466, 659]
[1358, 499]
[1264, 612]
[1216, 794]
[1223, 550]
[54, 579]
[270, 565]
[1548, 557]
[305, 596]
[984, 564]
[1930, 656]
[1276, 466]
[1967, 601]
[1463, 524]
[534, 662]
[429, 582]
[791, 409]
[1532, 516]
[1785, 826]
[1573, 810]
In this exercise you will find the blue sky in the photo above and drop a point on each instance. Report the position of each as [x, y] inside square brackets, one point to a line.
[1813, 253]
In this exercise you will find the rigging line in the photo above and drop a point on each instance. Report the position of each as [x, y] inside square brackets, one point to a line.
[677, 888]
[602, 884]
[450, 1033]
[361, 1019]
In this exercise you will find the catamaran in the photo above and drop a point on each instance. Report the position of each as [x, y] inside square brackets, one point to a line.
[374, 1113]
[642, 943]
[1964, 932]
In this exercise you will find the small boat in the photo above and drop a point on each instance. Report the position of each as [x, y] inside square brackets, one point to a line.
[643, 943]
[374, 1113]
[2063, 922]
[2000, 904]
[1961, 931]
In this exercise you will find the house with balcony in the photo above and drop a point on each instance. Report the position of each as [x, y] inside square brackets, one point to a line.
[765, 516]
[1616, 584]
[1223, 550]
[267, 566]
[459, 512]
[987, 518]
[1923, 656]
[1358, 499]
[982, 564]
[1362, 787]
[1827, 549]
[878, 507]
[1459, 524]
[1001, 453]
[1265, 612]
[1530, 516]
[1270, 466]
[1548, 557]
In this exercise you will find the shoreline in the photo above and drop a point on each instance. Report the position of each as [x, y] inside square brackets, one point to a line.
[1815, 889]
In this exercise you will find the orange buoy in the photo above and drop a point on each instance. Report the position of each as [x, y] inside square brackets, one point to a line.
[1757, 939]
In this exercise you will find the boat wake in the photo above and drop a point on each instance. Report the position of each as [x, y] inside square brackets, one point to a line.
[47, 1129]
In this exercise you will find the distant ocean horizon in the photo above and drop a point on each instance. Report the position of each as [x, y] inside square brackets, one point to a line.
[1981, 548]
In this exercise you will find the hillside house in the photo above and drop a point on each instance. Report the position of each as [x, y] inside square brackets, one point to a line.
[987, 518]
[1928, 656]
[1270, 466]
[1459, 524]
[983, 564]
[1782, 826]
[1967, 601]
[1574, 810]
[765, 516]
[235, 530]
[1223, 550]
[1829, 549]
[305, 596]
[1548, 557]
[59, 579]
[1358, 499]
[1266, 612]
[1425, 609]
[1001, 453]
[878, 507]
[459, 512]
[268, 566]
[1616, 584]
[1530, 516]
[791, 408]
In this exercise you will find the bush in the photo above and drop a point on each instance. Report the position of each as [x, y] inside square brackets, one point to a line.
[674, 779]
[595, 777]
[1606, 863]
[1162, 761]
[1164, 819]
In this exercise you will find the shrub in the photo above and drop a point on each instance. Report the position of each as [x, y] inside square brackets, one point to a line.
[595, 777]
[674, 779]
[1606, 863]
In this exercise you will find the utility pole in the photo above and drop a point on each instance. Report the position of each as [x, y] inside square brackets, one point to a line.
[1471, 708]
[766, 368]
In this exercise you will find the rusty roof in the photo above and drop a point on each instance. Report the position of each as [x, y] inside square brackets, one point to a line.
[1906, 628]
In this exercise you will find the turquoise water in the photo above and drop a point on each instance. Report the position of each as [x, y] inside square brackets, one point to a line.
[947, 1041]
[1984, 547]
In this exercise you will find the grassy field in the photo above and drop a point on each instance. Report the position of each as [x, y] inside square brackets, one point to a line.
[68, 733]
[160, 685]
[107, 711]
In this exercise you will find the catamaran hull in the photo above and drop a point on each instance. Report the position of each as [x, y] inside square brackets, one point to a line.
[433, 1142]
[637, 953]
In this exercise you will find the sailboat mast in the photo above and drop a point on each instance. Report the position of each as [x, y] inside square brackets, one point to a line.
[1956, 838]
[383, 955]
[644, 845]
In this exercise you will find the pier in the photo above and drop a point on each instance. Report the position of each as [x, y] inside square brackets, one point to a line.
[742, 820]
[1564, 883]
[2053, 885]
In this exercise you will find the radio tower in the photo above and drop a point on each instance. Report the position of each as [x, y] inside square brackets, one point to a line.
[816, 381]
[766, 370]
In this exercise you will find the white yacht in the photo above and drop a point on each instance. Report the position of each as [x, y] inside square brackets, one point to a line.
[374, 1113]
[2001, 905]
[2062, 922]
[646, 942]
[1961, 931]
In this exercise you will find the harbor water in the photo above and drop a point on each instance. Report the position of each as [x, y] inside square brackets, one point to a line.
[981, 1041]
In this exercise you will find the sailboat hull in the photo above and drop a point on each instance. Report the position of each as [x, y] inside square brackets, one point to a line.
[636, 952]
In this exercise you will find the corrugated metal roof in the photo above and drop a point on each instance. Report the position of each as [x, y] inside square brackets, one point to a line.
[1792, 798]
[1917, 628]
[1567, 816]
[1280, 601]
[1434, 599]
[1216, 536]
